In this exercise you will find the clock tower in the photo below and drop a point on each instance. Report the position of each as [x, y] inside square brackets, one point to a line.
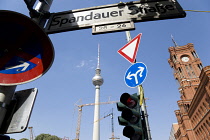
[187, 67]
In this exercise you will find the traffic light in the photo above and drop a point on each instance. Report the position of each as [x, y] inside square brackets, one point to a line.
[4, 137]
[130, 116]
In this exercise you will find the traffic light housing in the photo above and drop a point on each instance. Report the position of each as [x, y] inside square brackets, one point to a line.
[130, 116]
[4, 137]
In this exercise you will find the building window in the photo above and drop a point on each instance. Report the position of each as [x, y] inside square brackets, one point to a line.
[200, 66]
[208, 100]
[194, 54]
[174, 57]
[193, 74]
[196, 119]
[204, 104]
[186, 106]
[199, 112]
[191, 69]
[180, 72]
[202, 110]
[206, 128]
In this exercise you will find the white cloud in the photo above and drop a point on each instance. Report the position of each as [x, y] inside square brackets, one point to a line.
[82, 64]
[88, 64]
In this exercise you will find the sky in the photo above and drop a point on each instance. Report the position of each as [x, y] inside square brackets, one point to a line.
[68, 82]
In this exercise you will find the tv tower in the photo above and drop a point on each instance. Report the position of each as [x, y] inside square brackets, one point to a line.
[97, 82]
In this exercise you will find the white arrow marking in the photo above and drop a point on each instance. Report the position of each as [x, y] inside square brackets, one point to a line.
[24, 65]
[141, 69]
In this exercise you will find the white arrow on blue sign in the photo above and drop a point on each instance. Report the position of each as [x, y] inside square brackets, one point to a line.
[136, 74]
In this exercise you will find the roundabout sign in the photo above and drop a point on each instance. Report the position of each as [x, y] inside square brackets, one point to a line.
[26, 52]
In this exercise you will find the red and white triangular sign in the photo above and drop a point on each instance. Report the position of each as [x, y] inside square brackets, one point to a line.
[129, 51]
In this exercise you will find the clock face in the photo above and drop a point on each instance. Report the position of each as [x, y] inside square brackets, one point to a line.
[185, 59]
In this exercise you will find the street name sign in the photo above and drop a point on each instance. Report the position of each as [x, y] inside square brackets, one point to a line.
[129, 51]
[136, 74]
[137, 11]
[26, 52]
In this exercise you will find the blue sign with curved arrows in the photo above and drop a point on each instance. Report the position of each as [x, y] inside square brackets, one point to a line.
[136, 74]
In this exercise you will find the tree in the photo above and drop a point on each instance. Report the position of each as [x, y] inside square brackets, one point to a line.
[53, 138]
[47, 137]
[23, 139]
[42, 136]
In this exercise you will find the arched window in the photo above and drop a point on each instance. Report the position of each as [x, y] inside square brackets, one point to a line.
[205, 126]
[198, 115]
[202, 110]
[199, 112]
[205, 106]
[207, 123]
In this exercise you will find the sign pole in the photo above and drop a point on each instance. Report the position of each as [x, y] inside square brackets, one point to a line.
[6, 94]
[142, 100]
[43, 8]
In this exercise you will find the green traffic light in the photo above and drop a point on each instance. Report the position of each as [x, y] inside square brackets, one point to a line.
[130, 131]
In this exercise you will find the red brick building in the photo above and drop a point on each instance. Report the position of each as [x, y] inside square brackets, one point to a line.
[193, 115]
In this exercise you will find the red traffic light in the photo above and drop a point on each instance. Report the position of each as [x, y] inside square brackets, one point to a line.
[128, 100]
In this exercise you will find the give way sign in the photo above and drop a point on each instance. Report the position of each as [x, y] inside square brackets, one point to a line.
[129, 51]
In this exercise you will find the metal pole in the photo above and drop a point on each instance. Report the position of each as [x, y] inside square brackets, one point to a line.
[128, 35]
[6, 94]
[146, 119]
[43, 8]
[143, 107]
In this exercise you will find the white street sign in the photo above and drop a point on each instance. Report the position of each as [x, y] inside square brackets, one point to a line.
[115, 13]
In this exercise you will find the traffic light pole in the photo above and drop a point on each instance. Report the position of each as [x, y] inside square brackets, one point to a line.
[144, 109]
[142, 100]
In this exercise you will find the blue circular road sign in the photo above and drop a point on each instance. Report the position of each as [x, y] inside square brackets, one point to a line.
[136, 74]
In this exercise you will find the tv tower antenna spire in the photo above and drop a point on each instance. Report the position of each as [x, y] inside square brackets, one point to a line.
[98, 64]
[97, 82]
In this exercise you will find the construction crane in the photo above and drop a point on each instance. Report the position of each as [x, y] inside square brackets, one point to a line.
[112, 122]
[112, 118]
[80, 115]
[31, 133]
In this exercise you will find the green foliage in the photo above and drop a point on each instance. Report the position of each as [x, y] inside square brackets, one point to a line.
[47, 137]
[53, 138]
[12, 139]
[23, 139]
